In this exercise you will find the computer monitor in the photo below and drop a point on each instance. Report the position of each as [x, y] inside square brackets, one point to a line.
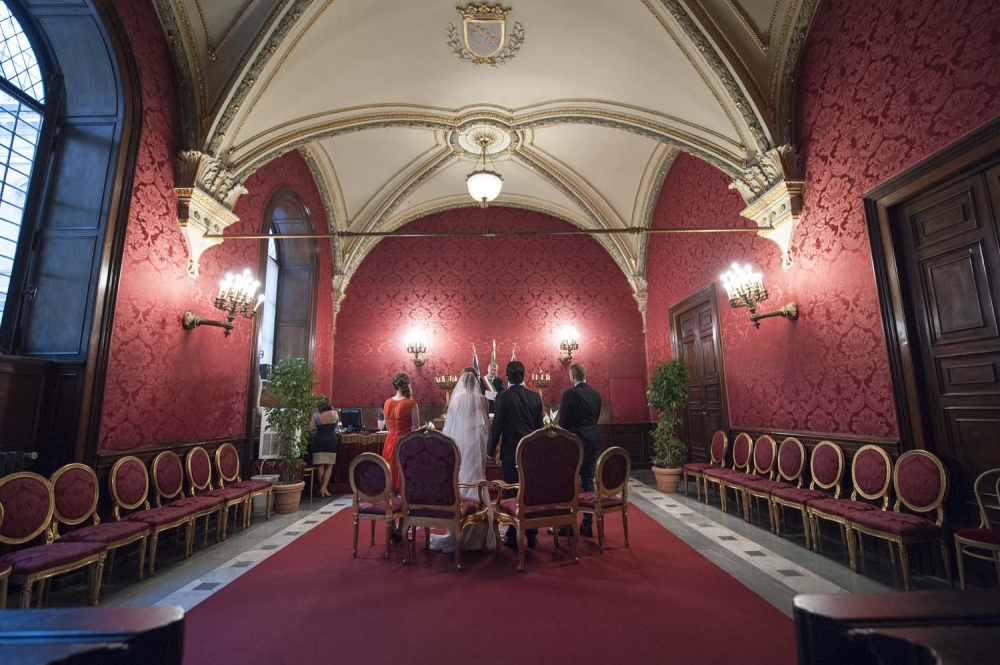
[350, 419]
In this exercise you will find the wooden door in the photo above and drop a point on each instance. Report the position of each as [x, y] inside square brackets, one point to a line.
[697, 342]
[950, 256]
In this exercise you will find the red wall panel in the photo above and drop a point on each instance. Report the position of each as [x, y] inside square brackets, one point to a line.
[466, 290]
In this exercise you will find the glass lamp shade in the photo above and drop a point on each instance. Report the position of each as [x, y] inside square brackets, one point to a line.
[484, 185]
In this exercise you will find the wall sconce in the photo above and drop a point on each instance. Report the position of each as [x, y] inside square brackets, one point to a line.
[236, 295]
[746, 289]
[568, 345]
[416, 346]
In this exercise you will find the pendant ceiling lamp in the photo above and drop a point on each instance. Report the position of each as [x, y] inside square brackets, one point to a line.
[484, 183]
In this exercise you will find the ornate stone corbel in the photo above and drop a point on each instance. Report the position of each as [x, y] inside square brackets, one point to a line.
[772, 186]
[338, 287]
[206, 194]
[640, 293]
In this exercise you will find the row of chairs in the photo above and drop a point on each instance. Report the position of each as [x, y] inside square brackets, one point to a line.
[764, 471]
[63, 511]
[548, 491]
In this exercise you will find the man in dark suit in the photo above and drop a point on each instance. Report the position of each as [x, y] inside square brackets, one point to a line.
[579, 411]
[518, 413]
[492, 383]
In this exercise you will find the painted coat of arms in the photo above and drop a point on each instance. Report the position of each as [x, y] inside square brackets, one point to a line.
[484, 38]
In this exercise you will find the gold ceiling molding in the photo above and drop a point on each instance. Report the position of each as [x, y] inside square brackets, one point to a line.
[785, 102]
[211, 48]
[762, 40]
[324, 192]
[188, 69]
[661, 168]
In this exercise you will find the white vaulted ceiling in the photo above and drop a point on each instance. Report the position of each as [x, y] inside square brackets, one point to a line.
[598, 100]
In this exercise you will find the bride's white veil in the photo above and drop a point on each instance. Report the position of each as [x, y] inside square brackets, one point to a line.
[466, 421]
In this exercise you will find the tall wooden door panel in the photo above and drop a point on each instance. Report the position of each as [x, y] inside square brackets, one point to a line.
[951, 258]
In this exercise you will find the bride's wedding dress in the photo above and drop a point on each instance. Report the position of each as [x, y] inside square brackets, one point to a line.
[468, 423]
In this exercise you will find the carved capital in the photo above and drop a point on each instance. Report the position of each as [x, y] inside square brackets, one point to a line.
[641, 295]
[338, 286]
[206, 194]
[779, 209]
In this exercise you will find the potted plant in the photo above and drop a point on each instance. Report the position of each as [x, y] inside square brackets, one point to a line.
[668, 394]
[291, 386]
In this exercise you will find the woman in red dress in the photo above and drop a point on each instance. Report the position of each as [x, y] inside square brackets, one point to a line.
[402, 415]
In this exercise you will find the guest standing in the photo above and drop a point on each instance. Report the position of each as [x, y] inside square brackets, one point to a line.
[402, 416]
[324, 423]
[579, 410]
[518, 413]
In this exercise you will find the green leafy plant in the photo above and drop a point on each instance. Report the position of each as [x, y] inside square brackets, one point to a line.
[292, 382]
[668, 394]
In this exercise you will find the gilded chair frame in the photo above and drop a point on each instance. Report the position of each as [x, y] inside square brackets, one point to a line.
[700, 475]
[4, 574]
[94, 563]
[168, 499]
[154, 530]
[737, 489]
[246, 502]
[766, 473]
[522, 524]
[777, 503]
[390, 515]
[963, 544]
[95, 519]
[599, 510]
[815, 515]
[194, 488]
[902, 542]
[458, 521]
[706, 479]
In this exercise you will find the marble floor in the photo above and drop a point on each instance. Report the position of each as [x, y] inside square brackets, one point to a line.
[776, 568]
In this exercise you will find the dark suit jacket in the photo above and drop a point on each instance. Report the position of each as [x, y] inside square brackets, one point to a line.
[579, 411]
[518, 413]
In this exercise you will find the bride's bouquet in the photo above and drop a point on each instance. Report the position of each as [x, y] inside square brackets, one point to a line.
[552, 419]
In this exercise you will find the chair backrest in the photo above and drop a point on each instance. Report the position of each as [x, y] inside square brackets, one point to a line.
[370, 478]
[199, 470]
[871, 474]
[428, 466]
[742, 451]
[129, 485]
[987, 490]
[791, 460]
[28, 504]
[764, 452]
[614, 467]
[826, 467]
[168, 477]
[920, 483]
[76, 491]
[720, 443]
[548, 468]
[227, 463]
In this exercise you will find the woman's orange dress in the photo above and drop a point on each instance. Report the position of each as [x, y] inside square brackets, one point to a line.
[399, 420]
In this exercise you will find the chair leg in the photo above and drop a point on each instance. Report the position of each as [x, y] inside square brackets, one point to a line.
[111, 561]
[852, 551]
[496, 535]
[458, 547]
[685, 474]
[26, 595]
[96, 576]
[3, 593]
[722, 496]
[520, 548]
[600, 533]
[373, 532]
[815, 531]
[427, 538]
[574, 539]
[43, 586]
[224, 517]
[267, 504]
[947, 563]
[153, 540]
[389, 525]
[142, 556]
[904, 563]
[625, 524]
[961, 565]
[188, 538]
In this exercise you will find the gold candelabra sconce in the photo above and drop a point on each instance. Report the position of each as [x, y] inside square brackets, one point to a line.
[541, 381]
[418, 349]
[746, 289]
[568, 344]
[446, 383]
[237, 297]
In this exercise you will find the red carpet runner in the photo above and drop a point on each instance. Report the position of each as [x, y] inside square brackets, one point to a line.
[657, 602]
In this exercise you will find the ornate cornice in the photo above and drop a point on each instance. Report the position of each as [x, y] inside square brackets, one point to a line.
[785, 102]
[187, 92]
[642, 248]
[336, 250]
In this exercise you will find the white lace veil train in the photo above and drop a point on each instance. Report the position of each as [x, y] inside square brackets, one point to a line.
[468, 424]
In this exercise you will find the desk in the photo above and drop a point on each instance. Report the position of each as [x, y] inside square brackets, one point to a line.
[349, 447]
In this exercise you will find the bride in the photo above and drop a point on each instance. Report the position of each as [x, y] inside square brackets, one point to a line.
[468, 423]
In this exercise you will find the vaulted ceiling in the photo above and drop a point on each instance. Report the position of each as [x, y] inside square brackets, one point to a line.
[592, 105]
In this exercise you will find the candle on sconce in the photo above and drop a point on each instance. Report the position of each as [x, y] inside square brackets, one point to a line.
[548, 377]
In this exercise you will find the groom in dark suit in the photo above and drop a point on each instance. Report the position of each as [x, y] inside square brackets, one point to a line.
[579, 411]
[518, 413]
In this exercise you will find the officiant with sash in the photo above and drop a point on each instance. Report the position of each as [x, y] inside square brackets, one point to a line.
[490, 385]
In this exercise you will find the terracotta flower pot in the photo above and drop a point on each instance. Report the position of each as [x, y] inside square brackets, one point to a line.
[667, 480]
[287, 497]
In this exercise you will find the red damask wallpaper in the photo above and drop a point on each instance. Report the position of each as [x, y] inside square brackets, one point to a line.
[466, 291]
[165, 384]
[881, 86]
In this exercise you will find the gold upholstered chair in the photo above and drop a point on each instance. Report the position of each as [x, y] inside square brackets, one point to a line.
[614, 467]
[371, 485]
[227, 463]
[727, 478]
[696, 470]
[168, 481]
[548, 488]
[199, 471]
[982, 542]
[826, 470]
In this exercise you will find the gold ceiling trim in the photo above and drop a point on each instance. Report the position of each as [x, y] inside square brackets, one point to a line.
[211, 48]
[193, 54]
[763, 40]
[776, 63]
[654, 188]
[319, 177]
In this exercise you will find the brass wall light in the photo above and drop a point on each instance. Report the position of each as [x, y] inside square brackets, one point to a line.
[746, 289]
[236, 295]
[415, 344]
[568, 344]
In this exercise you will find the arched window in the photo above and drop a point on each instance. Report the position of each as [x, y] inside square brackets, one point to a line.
[22, 114]
[265, 339]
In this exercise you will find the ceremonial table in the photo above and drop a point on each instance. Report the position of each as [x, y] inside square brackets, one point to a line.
[349, 447]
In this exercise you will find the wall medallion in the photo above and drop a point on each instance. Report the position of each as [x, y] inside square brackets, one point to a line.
[484, 39]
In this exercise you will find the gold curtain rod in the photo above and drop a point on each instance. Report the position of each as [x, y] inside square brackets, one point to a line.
[485, 233]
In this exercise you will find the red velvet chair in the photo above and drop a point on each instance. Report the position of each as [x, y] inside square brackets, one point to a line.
[982, 542]
[759, 482]
[717, 458]
[790, 461]
[129, 491]
[199, 470]
[742, 455]
[871, 475]
[826, 467]
[76, 492]
[227, 463]
[614, 467]
[548, 488]
[28, 507]
[168, 481]
[920, 484]
[371, 484]
[4, 573]
[428, 465]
